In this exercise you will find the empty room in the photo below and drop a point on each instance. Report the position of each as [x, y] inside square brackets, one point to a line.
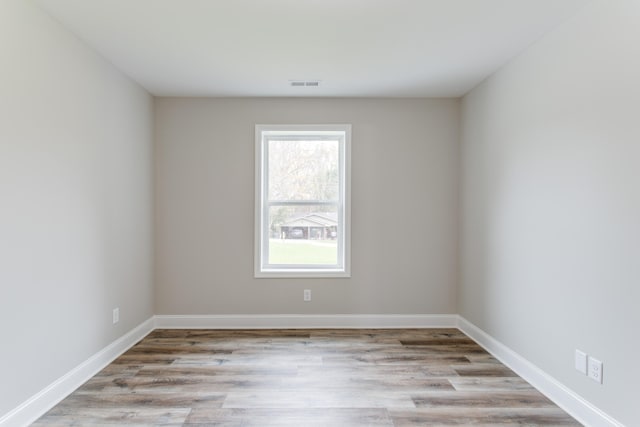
[319, 213]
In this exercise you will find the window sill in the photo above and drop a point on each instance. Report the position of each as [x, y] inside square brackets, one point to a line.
[306, 273]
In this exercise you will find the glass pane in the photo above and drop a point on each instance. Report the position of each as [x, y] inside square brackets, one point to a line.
[303, 235]
[303, 170]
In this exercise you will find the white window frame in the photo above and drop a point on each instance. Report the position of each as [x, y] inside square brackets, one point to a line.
[262, 135]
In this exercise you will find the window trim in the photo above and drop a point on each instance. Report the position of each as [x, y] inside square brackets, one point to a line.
[260, 271]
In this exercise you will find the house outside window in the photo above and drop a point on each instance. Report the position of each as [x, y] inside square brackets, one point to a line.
[302, 200]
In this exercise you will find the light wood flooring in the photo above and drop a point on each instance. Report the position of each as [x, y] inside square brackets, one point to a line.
[408, 377]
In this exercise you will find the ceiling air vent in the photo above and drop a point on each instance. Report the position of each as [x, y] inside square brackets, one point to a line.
[303, 83]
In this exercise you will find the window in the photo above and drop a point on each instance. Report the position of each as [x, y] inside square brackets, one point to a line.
[302, 200]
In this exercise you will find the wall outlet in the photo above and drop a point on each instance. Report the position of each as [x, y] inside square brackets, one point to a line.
[116, 315]
[594, 369]
[307, 295]
[581, 362]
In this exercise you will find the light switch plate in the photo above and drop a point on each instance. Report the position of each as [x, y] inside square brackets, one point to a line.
[581, 362]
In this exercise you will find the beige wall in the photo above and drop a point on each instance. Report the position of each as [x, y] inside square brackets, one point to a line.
[405, 168]
[551, 204]
[75, 202]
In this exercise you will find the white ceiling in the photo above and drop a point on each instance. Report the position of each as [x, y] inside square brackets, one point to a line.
[416, 48]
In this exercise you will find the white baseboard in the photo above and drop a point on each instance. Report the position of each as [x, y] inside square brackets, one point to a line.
[562, 396]
[303, 321]
[47, 398]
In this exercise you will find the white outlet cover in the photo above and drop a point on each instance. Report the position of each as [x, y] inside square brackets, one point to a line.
[307, 294]
[581, 362]
[116, 315]
[595, 370]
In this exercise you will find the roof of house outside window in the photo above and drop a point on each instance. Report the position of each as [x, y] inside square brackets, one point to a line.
[324, 219]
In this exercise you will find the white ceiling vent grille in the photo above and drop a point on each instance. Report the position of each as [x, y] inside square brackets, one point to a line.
[304, 83]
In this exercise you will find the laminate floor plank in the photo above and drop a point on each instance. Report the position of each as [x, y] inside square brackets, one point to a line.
[191, 384]
[356, 384]
[490, 384]
[134, 415]
[399, 372]
[485, 417]
[483, 370]
[311, 398]
[308, 417]
[219, 370]
[486, 399]
[399, 359]
[135, 400]
[251, 360]
[306, 378]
